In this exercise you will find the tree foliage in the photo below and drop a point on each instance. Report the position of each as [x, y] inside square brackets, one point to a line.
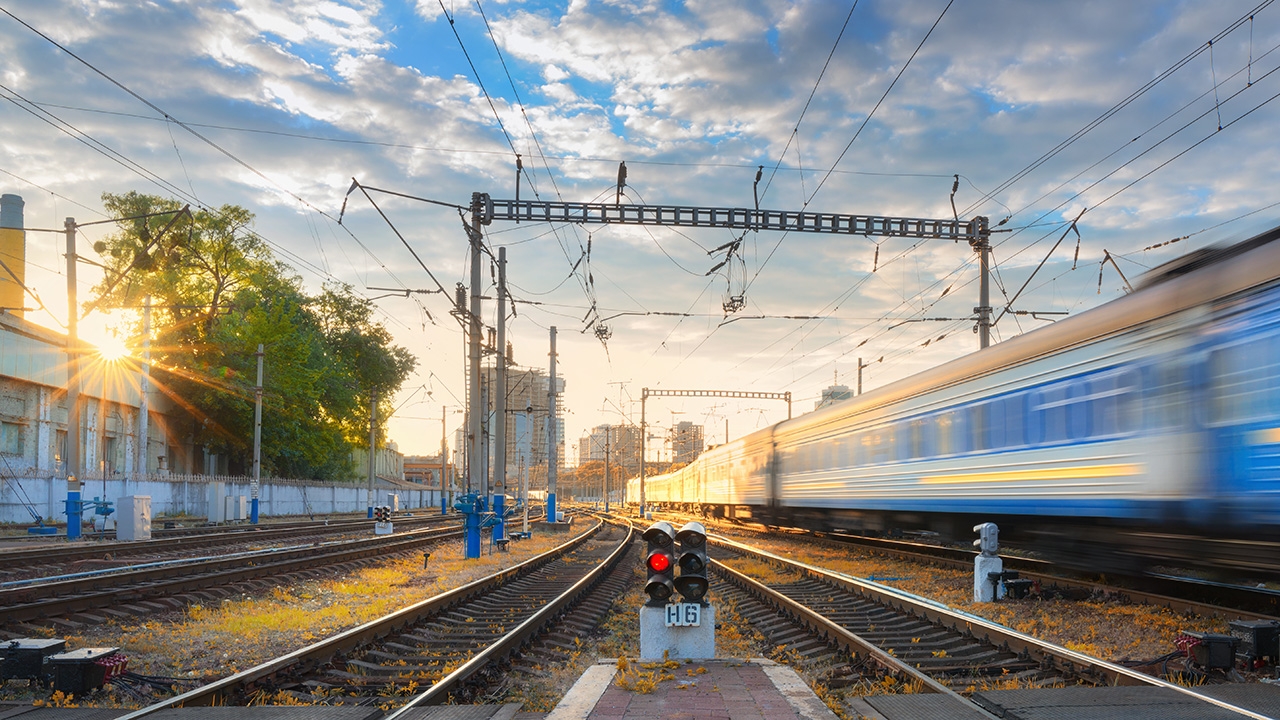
[217, 292]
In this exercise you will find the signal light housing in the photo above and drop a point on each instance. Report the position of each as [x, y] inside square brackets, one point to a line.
[692, 583]
[660, 563]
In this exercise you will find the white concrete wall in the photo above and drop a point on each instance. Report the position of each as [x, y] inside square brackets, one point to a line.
[189, 495]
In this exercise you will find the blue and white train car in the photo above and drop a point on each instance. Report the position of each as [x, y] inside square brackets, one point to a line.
[1158, 411]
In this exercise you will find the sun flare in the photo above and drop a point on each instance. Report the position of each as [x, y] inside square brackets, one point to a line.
[112, 348]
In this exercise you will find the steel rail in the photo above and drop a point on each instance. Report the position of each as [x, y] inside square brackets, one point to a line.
[977, 627]
[442, 688]
[320, 652]
[82, 594]
[857, 646]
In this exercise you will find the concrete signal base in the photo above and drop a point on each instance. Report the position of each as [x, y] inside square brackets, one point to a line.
[679, 643]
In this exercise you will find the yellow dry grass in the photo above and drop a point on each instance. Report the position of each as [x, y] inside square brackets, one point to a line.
[215, 640]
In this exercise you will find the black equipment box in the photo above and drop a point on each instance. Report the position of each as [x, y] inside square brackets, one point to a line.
[1213, 651]
[1258, 639]
[80, 671]
[24, 657]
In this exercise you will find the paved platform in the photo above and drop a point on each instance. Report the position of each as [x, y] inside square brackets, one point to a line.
[720, 689]
[1079, 703]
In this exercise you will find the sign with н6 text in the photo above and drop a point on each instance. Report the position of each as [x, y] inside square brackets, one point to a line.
[683, 615]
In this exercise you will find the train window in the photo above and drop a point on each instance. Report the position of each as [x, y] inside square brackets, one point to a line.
[903, 432]
[979, 424]
[916, 439]
[997, 421]
[828, 455]
[1015, 420]
[1164, 395]
[1052, 409]
[960, 440]
[943, 435]
[882, 445]
[849, 444]
[1238, 382]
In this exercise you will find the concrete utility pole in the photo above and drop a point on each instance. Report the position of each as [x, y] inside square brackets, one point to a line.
[475, 480]
[644, 432]
[551, 433]
[144, 387]
[444, 461]
[608, 432]
[983, 246]
[500, 401]
[373, 445]
[72, 461]
[257, 441]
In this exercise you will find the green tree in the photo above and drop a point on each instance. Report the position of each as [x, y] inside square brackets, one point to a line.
[218, 292]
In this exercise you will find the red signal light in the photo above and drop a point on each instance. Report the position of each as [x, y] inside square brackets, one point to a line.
[659, 562]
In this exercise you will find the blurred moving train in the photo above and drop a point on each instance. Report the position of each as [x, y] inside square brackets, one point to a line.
[1144, 430]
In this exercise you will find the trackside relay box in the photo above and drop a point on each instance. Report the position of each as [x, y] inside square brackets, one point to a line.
[24, 658]
[80, 671]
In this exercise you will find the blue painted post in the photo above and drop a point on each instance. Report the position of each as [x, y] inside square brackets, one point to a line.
[444, 505]
[500, 527]
[74, 518]
[551, 507]
[473, 529]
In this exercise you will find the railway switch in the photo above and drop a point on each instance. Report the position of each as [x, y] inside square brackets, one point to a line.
[692, 582]
[660, 563]
[24, 658]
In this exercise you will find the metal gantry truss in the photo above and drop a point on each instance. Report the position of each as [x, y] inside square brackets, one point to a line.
[976, 232]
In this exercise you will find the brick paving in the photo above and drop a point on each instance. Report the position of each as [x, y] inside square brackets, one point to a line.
[729, 690]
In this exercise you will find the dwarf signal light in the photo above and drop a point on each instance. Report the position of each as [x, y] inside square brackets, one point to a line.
[660, 562]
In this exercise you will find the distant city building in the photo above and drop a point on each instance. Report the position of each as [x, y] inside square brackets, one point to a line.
[687, 442]
[527, 425]
[832, 395]
[620, 442]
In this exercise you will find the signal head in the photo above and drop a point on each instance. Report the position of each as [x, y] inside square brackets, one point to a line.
[660, 534]
[692, 535]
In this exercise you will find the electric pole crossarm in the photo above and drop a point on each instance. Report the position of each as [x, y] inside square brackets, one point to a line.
[738, 218]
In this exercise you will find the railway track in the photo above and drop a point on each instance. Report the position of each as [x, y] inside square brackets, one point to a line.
[923, 643]
[449, 646]
[38, 601]
[22, 562]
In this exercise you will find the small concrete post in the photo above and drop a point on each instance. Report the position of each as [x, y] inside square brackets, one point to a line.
[987, 562]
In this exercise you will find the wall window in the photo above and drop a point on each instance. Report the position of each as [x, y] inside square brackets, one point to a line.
[13, 438]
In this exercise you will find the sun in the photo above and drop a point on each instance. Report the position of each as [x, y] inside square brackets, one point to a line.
[112, 348]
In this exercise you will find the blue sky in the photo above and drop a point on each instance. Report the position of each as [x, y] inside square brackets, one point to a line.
[694, 96]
